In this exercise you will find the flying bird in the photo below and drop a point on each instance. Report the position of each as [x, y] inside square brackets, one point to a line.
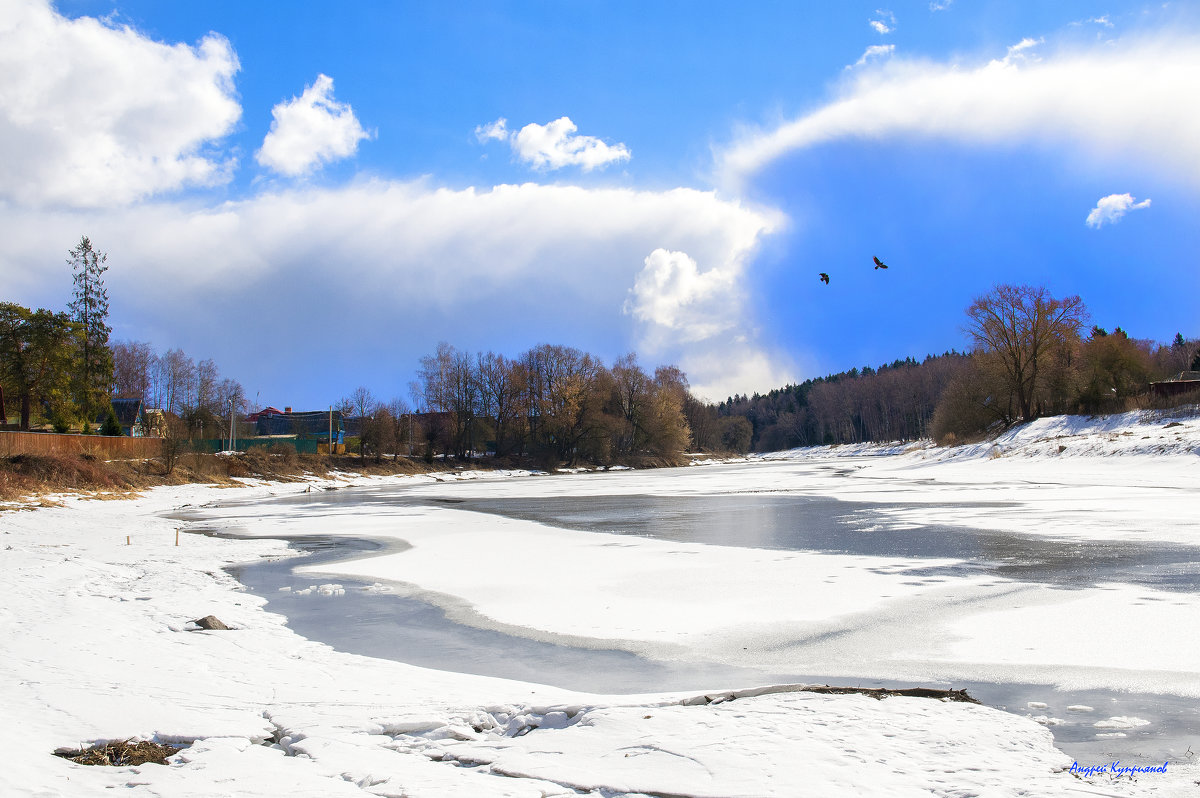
[879, 264]
[825, 278]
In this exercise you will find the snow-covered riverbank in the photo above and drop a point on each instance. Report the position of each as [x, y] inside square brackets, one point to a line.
[97, 644]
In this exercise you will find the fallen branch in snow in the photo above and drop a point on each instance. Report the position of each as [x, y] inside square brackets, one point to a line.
[875, 692]
[912, 692]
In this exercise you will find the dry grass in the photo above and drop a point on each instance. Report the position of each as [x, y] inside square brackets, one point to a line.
[26, 475]
[26, 480]
[29, 477]
[123, 753]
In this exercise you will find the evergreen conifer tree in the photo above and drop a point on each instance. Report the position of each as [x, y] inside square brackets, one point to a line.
[90, 309]
[111, 425]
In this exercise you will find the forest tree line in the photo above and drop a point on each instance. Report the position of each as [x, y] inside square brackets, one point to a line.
[1032, 355]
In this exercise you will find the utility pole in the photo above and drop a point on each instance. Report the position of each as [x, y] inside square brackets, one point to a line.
[331, 430]
[232, 438]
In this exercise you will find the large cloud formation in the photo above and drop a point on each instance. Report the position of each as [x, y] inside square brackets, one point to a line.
[1129, 100]
[92, 114]
[412, 264]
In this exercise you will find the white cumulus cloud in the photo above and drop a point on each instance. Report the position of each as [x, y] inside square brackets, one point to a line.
[1126, 101]
[697, 315]
[672, 291]
[309, 131]
[1110, 209]
[94, 114]
[554, 145]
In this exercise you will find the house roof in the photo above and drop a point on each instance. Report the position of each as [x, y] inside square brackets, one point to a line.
[266, 411]
[128, 411]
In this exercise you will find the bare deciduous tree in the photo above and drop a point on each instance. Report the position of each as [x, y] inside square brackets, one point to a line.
[1022, 325]
[499, 393]
[361, 403]
[176, 378]
[632, 389]
[133, 363]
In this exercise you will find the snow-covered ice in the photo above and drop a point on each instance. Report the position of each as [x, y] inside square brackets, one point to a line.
[97, 646]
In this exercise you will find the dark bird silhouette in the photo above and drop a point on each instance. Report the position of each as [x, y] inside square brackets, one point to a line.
[879, 264]
[825, 278]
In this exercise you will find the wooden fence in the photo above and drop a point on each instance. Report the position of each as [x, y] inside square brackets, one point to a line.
[102, 446]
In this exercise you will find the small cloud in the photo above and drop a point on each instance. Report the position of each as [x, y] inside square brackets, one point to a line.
[940, 5]
[873, 52]
[1111, 208]
[1103, 22]
[309, 131]
[493, 131]
[1017, 51]
[884, 21]
[554, 145]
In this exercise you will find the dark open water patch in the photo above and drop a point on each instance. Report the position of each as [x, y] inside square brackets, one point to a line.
[829, 526]
[365, 620]
[823, 525]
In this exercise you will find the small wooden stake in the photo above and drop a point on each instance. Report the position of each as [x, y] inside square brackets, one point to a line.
[127, 543]
[176, 537]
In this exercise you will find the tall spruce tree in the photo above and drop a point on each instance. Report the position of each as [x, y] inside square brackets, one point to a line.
[90, 309]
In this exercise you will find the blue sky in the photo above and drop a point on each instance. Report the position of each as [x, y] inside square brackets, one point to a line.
[315, 195]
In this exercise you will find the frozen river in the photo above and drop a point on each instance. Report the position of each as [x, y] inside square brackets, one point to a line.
[403, 620]
[484, 633]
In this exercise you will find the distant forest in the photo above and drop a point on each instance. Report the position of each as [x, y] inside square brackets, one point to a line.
[894, 401]
[1033, 355]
